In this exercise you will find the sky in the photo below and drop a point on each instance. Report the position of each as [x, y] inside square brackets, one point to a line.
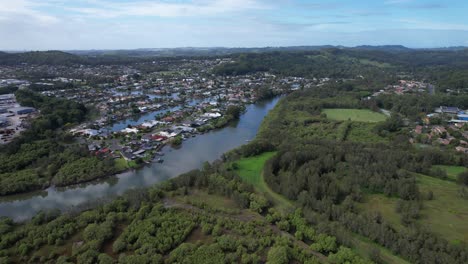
[124, 24]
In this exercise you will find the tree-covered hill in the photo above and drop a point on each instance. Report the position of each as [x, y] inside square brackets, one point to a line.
[445, 68]
[40, 58]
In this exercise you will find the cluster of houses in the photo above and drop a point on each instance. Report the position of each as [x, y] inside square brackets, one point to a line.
[185, 107]
[141, 110]
[447, 126]
[406, 86]
[14, 82]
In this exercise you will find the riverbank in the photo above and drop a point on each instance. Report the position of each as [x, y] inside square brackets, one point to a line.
[191, 155]
[126, 150]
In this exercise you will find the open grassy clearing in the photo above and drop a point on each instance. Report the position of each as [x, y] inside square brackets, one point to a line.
[446, 215]
[385, 206]
[364, 247]
[452, 171]
[359, 115]
[217, 202]
[250, 170]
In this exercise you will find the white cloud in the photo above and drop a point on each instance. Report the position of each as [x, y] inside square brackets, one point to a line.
[106, 24]
[396, 2]
[24, 10]
[434, 25]
[109, 9]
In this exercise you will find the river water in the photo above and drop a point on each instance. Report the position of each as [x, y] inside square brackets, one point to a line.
[193, 153]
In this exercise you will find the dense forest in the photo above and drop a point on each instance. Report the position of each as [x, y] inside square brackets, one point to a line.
[329, 172]
[204, 216]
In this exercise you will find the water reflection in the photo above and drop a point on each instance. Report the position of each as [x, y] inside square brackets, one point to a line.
[139, 119]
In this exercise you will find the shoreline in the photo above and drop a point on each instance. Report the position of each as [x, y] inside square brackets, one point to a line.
[195, 151]
[103, 178]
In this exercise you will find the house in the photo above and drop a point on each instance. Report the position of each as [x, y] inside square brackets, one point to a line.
[93, 147]
[139, 152]
[150, 124]
[88, 132]
[185, 129]
[438, 130]
[158, 138]
[129, 130]
[212, 115]
[128, 156]
[443, 141]
[169, 119]
[462, 149]
[169, 133]
[103, 151]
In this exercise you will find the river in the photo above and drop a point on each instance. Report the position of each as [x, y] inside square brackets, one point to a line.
[193, 153]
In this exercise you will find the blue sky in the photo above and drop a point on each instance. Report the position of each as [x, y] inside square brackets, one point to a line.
[124, 24]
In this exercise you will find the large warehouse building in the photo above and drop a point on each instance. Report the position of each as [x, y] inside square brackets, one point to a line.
[22, 110]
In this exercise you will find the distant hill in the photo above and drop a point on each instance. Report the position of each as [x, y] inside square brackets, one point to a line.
[457, 48]
[40, 58]
[65, 58]
[387, 48]
[394, 54]
[190, 51]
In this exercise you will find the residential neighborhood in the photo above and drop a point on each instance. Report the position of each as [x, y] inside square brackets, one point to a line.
[137, 111]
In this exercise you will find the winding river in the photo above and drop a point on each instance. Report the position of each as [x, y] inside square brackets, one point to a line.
[193, 153]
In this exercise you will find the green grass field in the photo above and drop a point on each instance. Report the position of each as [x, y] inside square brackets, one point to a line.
[121, 164]
[365, 246]
[446, 215]
[250, 170]
[359, 115]
[452, 171]
[385, 205]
